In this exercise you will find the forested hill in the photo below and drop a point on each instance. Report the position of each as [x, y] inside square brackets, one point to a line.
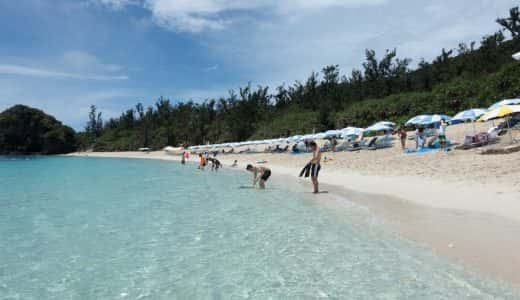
[386, 88]
[25, 130]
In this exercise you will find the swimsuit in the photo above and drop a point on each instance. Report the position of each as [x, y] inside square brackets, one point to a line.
[266, 175]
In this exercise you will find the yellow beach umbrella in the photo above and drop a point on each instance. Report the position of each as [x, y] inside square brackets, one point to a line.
[500, 112]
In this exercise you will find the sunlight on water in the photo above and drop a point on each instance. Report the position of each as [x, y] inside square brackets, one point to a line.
[86, 228]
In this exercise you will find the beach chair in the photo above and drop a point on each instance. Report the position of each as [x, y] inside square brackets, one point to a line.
[384, 142]
[352, 146]
[369, 144]
[478, 140]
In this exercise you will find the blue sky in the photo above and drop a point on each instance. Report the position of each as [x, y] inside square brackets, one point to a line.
[64, 55]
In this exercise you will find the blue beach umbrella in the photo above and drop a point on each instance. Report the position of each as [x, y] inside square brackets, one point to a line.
[417, 120]
[468, 115]
[505, 102]
[426, 120]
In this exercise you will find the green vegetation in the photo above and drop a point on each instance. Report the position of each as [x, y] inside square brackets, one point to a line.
[384, 89]
[25, 130]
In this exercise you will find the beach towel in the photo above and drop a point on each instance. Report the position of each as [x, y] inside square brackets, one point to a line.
[420, 150]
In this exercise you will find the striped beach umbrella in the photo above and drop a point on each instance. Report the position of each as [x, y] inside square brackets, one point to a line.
[468, 115]
[500, 112]
[424, 120]
[514, 101]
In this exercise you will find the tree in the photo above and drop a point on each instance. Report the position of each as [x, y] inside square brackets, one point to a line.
[26, 130]
[511, 23]
[95, 124]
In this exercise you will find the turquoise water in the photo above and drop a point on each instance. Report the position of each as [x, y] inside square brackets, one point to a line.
[89, 228]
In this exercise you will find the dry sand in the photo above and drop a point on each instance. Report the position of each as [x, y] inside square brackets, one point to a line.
[461, 204]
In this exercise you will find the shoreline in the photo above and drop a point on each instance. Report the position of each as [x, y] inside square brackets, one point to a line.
[477, 228]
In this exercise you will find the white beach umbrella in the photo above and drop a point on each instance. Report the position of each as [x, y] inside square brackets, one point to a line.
[384, 123]
[332, 133]
[351, 131]
[505, 102]
[295, 138]
[378, 127]
[319, 136]
[516, 56]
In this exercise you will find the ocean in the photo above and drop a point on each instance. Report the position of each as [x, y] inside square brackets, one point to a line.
[103, 228]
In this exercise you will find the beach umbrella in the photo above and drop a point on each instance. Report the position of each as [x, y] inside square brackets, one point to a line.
[434, 119]
[417, 120]
[384, 123]
[295, 138]
[425, 120]
[351, 131]
[505, 102]
[439, 118]
[332, 133]
[500, 112]
[319, 136]
[468, 115]
[516, 56]
[378, 127]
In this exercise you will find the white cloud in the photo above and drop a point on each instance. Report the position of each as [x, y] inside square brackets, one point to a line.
[79, 65]
[47, 73]
[211, 68]
[114, 4]
[84, 61]
[203, 15]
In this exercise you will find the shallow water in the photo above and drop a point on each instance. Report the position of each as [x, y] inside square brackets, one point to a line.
[92, 228]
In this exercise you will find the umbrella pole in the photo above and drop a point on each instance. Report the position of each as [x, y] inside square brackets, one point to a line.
[509, 129]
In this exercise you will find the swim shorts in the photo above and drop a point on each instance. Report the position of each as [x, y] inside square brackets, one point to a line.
[315, 170]
[266, 175]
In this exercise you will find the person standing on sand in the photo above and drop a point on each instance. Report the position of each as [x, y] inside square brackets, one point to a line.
[260, 175]
[183, 159]
[402, 136]
[315, 163]
[442, 134]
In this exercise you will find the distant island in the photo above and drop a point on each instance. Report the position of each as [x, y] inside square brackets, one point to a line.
[26, 130]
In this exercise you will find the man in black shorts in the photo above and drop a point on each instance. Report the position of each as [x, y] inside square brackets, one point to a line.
[260, 175]
[315, 163]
